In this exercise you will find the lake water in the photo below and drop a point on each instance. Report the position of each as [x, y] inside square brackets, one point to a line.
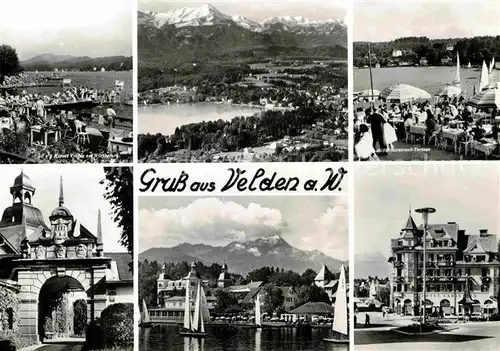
[165, 118]
[430, 79]
[99, 80]
[166, 337]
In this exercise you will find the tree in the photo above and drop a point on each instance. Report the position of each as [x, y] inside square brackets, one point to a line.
[119, 193]
[384, 295]
[225, 300]
[311, 293]
[9, 62]
[273, 298]
[308, 276]
[79, 317]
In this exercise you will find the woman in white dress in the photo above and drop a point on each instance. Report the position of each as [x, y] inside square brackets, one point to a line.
[389, 134]
[364, 147]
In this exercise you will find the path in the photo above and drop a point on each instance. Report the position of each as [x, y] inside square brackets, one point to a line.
[62, 346]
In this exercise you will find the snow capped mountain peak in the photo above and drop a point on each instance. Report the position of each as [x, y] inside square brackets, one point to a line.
[246, 23]
[186, 16]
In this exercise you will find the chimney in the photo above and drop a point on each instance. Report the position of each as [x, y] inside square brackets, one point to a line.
[483, 232]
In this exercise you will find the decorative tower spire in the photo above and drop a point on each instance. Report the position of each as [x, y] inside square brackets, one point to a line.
[99, 247]
[61, 192]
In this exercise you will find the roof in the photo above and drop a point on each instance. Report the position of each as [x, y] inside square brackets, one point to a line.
[11, 229]
[488, 243]
[250, 296]
[244, 288]
[410, 224]
[314, 308]
[437, 231]
[322, 273]
[122, 260]
[22, 180]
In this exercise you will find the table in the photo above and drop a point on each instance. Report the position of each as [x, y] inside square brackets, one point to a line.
[453, 135]
[486, 148]
[47, 133]
[419, 129]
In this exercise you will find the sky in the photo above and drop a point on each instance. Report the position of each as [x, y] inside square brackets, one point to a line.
[257, 10]
[466, 194]
[83, 195]
[307, 223]
[92, 28]
[385, 21]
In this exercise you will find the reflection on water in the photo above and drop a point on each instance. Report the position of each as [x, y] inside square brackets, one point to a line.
[165, 118]
[166, 337]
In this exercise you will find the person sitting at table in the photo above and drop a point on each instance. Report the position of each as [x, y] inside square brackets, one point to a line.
[478, 131]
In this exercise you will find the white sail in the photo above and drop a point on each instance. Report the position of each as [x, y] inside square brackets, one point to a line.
[187, 308]
[204, 306]
[257, 310]
[197, 309]
[340, 315]
[456, 81]
[484, 81]
[145, 313]
[202, 323]
[492, 64]
[469, 65]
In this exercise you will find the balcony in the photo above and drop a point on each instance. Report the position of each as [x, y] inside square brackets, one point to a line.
[399, 264]
[445, 263]
[402, 248]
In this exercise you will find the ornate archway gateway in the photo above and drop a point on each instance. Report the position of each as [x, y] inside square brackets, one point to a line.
[62, 256]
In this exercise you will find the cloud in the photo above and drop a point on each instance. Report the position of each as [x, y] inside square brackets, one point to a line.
[330, 231]
[209, 221]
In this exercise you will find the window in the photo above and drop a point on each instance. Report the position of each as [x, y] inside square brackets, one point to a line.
[445, 243]
[485, 272]
[112, 291]
[399, 272]
[399, 257]
[480, 258]
[467, 271]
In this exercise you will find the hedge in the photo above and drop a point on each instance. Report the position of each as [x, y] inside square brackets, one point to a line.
[9, 300]
[115, 328]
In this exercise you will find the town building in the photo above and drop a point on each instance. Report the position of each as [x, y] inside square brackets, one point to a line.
[454, 258]
[39, 261]
[397, 53]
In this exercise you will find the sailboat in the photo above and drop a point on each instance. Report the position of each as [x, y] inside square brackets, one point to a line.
[145, 319]
[485, 80]
[340, 323]
[194, 326]
[258, 322]
[456, 81]
[469, 65]
[492, 65]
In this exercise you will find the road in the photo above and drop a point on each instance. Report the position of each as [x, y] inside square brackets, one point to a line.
[471, 336]
[63, 346]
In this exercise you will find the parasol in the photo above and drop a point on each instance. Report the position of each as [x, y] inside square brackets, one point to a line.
[401, 93]
[93, 132]
[489, 98]
[450, 91]
[368, 93]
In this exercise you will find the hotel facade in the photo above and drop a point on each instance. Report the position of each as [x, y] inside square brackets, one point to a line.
[453, 258]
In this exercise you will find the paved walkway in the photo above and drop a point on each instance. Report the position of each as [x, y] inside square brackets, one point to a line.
[58, 345]
[466, 336]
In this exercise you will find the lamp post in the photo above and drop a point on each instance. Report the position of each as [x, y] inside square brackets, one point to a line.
[425, 216]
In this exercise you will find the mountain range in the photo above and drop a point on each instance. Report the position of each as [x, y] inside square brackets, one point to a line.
[371, 265]
[192, 32]
[49, 61]
[243, 257]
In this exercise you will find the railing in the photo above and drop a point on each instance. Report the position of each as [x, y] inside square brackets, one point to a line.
[12, 158]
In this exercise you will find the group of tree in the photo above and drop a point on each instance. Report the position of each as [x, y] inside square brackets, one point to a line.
[111, 63]
[237, 134]
[9, 62]
[473, 50]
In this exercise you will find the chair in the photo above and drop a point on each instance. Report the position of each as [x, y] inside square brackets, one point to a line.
[435, 136]
[82, 136]
[465, 144]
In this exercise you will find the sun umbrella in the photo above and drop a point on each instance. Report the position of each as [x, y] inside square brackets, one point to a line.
[369, 93]
[450, 91]
[403, 93]
[489, 98]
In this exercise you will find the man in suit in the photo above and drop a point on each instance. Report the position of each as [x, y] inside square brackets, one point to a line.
[377, 122]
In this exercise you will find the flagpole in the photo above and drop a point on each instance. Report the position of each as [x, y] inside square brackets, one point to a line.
[371, 77]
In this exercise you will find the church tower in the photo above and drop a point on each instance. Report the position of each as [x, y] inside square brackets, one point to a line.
[224, 280]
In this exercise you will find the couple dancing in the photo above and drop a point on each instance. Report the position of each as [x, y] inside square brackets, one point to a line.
[382, 133]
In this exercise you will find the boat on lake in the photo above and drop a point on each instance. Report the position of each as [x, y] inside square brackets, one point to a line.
[340, 321]
[194, 325]
[145, 319]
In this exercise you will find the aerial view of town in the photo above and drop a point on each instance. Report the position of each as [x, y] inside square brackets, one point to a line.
[215, 86]
[243, 273]
[427, 276]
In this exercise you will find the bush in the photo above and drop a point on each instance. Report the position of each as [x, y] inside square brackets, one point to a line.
[7, 345]
[115, 328]
[80, 317]
[117, 324]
